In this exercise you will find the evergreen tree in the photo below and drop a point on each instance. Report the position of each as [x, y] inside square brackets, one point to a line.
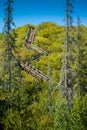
[49, 98]
[12, 73]
[81, 62]
[49, 92]
[66, 75]
[8, 43]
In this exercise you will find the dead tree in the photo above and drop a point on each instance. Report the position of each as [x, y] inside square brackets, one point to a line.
[66, 88]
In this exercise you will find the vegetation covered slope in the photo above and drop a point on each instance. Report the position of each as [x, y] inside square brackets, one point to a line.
[35, 104]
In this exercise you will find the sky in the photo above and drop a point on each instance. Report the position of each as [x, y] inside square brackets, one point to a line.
[37, 11]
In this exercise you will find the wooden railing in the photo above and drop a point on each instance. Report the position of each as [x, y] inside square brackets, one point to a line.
[27, 67]
[41, 51]
[34, 71]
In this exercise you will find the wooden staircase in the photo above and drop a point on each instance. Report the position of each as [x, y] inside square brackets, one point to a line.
[26, 66]
[34, 71]
[41, 51]
[29, 42]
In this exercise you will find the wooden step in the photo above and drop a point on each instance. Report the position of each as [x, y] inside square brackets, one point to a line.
[34, 71]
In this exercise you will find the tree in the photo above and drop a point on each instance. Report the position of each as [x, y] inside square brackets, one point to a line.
[66, 69]
[78, 116]
[66, 76]
[49, 100]
[12, 73]
[8, 42]
[81, 61]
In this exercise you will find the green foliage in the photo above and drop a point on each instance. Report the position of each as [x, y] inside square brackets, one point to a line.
[80, 62]
[27, 101]
[78, 115]
[61, 115]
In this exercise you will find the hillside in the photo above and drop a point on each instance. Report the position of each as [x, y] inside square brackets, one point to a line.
[35, 104]
[48, 36]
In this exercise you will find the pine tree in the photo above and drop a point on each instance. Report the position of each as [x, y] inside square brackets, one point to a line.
[81, 61]
[8, 42]
[78, 56]
[49, 92]
[12, 73]
[66, 75]
[49, 103]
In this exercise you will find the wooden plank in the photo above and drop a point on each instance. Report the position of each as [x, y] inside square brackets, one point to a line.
[34, 72]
